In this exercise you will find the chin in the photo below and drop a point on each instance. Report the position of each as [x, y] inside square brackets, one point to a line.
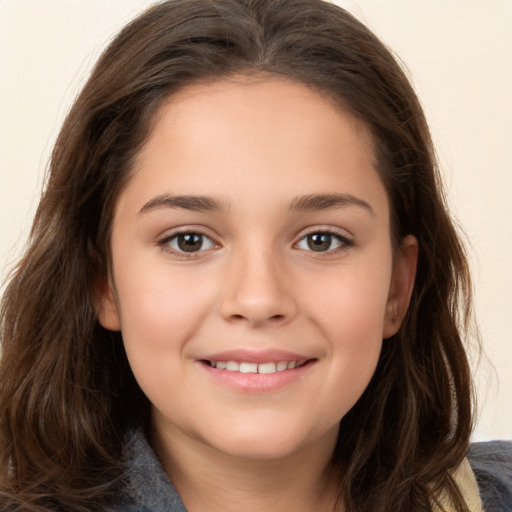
[259, 449]
[274, 442]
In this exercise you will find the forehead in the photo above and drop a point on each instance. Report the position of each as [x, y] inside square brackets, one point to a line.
[250, 102]
[252, 135]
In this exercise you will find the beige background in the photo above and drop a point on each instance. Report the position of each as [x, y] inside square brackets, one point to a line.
[458, 53]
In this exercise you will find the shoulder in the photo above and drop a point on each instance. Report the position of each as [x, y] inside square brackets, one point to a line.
[492, 464]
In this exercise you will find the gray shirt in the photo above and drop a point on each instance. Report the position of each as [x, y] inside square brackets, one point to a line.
[148, 489]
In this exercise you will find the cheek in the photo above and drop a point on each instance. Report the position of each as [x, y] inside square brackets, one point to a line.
[353, 325]
[160, 313]
[160, 310]
[349, 303]
[348, 308]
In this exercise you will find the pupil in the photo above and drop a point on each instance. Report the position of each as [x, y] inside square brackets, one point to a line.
[190, 242]
[319, 242]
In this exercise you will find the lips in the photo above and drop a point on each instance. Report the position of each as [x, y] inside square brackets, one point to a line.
[253, 371]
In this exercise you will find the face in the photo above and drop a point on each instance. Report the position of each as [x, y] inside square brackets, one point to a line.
[253, 276]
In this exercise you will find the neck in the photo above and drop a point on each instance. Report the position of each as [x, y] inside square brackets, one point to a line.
[213, 481]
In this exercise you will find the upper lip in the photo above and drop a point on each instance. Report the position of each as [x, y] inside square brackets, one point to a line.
[253, 356]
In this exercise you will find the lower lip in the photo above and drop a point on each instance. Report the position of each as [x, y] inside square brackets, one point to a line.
[258, 382]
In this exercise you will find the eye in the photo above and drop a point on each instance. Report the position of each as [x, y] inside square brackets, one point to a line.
[323, 241]
[189, 242]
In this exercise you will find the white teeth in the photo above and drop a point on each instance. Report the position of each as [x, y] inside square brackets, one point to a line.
[271, 367]
[248, 368]
[232, 366]
[267, 368]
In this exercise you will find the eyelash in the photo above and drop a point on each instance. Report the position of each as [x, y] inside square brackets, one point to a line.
[165, 243]
[344, 242]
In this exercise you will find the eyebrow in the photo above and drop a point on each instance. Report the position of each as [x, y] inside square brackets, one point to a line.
[186, 202]
[328, 201]
[310, 202]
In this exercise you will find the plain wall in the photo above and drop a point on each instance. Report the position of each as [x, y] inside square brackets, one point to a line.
[457, 53]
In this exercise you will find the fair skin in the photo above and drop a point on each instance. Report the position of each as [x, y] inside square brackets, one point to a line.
[252, 237]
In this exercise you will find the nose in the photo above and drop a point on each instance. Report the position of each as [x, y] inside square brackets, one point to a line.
[257, 290]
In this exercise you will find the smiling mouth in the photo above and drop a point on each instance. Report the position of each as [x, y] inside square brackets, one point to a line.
[247, 367]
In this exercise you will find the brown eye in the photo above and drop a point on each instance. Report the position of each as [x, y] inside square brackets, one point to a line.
[319, 242]
[189, 242]
[323, 241]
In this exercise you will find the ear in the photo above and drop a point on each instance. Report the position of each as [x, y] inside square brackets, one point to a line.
[402, 284]
[106, 306]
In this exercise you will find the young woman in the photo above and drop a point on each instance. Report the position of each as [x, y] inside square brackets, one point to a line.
[243, 290]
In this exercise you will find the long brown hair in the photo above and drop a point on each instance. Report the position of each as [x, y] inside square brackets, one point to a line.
[67, 394]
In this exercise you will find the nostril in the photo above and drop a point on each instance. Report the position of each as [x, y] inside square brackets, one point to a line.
[273, 318]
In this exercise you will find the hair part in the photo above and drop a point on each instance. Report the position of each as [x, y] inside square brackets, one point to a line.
[67, 394]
